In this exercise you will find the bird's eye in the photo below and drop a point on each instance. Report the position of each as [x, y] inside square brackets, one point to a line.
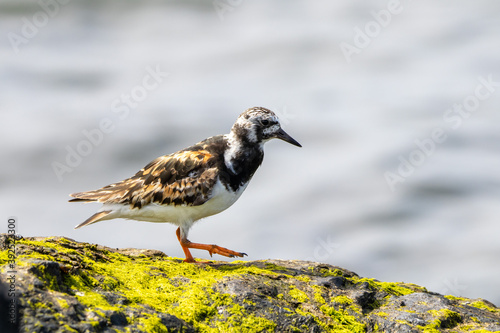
[264, 122]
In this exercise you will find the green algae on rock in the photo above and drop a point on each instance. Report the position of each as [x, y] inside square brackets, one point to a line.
[67, 286]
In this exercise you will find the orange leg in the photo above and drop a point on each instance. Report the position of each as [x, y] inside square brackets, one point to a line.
[187, 244]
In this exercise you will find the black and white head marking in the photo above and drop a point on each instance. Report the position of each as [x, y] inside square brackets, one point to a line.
[256, 125]
[252, 129]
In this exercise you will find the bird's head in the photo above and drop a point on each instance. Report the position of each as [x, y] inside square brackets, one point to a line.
[258, 125]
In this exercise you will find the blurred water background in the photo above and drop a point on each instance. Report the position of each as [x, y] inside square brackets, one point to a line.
[362, 90]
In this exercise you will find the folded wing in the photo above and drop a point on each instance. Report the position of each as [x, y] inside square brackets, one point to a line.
[183, 178]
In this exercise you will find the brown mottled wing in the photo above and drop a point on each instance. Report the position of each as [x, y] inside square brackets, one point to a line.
[183, 178]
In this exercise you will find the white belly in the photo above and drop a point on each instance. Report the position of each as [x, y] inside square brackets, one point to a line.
[178, 215]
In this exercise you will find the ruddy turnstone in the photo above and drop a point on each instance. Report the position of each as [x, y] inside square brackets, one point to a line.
[193, 183]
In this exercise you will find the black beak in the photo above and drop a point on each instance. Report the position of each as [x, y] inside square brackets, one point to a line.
[285, 137]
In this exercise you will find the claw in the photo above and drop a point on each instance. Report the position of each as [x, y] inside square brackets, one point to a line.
[186, 245]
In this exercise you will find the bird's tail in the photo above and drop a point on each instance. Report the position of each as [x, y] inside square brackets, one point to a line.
[94, 218]
[86, 196]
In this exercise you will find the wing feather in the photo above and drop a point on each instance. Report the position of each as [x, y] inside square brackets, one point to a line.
[183, 178]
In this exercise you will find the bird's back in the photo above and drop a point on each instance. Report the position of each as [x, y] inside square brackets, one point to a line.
[186, 178]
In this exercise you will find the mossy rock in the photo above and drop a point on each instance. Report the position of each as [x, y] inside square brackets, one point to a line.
[66, 286]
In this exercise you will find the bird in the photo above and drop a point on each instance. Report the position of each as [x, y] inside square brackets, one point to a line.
[193, 183]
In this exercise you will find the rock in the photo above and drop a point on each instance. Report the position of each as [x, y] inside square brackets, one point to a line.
[59, 285]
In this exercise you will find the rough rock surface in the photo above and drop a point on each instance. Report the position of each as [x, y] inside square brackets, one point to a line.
[61, 285]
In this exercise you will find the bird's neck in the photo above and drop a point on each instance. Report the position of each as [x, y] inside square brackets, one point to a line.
[242, 158]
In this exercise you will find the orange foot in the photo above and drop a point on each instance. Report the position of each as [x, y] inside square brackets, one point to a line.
[187, 244]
